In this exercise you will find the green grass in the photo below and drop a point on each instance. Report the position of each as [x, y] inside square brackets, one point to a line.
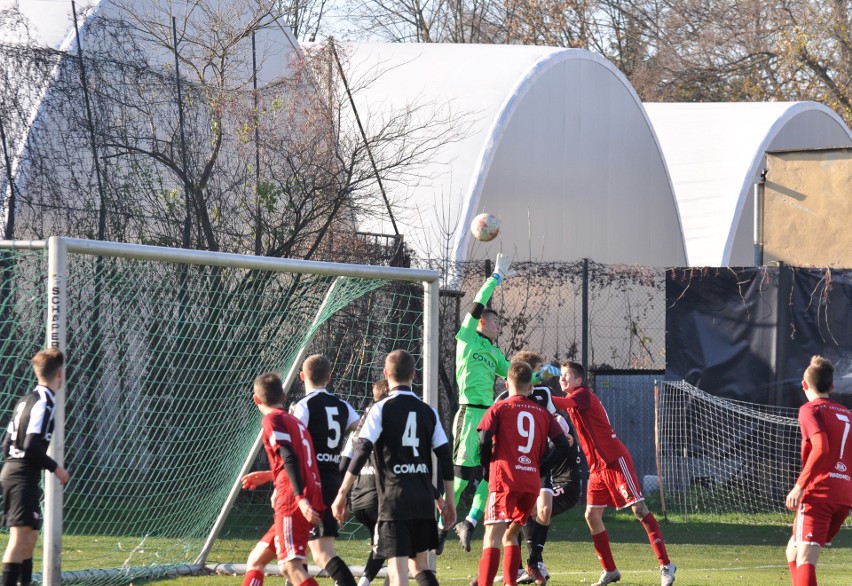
[707, 552]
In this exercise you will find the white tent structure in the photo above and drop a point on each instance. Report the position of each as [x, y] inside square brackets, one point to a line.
[715, 153]
[555, 142]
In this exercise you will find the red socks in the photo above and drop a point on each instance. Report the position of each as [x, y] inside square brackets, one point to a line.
[511, 561]
[792, 572]
[806, 575]
[601, 541]
[488, 565]
[253, 578]
[655, 536]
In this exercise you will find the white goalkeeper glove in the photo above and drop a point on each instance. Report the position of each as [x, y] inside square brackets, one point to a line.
[501, 268]
[548, 371]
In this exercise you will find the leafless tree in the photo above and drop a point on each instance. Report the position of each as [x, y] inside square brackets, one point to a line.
[267, 171]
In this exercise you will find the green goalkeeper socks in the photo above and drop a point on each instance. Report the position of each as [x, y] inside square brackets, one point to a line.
[480, 498]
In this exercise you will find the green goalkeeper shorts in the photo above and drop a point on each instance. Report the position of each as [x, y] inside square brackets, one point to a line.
[465, 435]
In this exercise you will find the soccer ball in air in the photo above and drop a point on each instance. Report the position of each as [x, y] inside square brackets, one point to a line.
[485, 227]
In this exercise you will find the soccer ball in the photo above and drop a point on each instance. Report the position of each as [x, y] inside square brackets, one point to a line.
[485, 227]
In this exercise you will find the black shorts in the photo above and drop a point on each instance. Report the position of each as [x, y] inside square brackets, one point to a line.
[369, 518]
[328, 527]
[22, 504]
[565, 497]
[406, 538]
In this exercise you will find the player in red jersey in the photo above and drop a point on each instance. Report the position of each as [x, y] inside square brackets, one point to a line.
[511, 451]
[822, 495]
[297, 499]
[612, 477]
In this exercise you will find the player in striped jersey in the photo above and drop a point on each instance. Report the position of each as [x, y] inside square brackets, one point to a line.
[297, 499]
[25, 446]
[364, 498]
[612, 477]
[822, 495]
[328, 419]
[404, 432]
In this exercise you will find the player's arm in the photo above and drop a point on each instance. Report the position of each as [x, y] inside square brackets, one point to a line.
[818, 456]
[254, 479]
[291, 468]
[501, 271]
[486, 447]
[444, 455]
[35, 441]
[560, 450]
[564, 403]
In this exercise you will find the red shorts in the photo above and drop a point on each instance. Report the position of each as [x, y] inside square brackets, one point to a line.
[818, 523]
[615, 486]
[288, 537]
[504, 507]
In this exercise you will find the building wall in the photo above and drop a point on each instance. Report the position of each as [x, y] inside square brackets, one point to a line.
[808, 205]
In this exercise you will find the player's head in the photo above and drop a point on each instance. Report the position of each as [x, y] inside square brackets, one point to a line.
[534, 360]
[572, 377]
[316, 371]
[519, 378]
[268, 390]
[489, 324]
[380, 389]
[819, 375]
[48, 365]
[399, 368]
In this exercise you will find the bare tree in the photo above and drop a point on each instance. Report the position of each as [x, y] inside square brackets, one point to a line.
[268, 172]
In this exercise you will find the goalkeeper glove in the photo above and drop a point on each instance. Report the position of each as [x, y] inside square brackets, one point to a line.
[501, 268]
[548, 371]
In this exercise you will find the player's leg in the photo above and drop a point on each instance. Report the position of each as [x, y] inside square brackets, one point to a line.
[423, 540]
[791, 556]
[490, 560]
[511, 553]
[597, 499]
[807, 555]
[536, 528]
[623, 485]
[368, 518]
[259, 557]
[322, 549]
[19, 549]
[468, 471]
[291, 540]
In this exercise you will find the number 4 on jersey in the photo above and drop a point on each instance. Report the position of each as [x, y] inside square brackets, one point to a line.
[409, 437]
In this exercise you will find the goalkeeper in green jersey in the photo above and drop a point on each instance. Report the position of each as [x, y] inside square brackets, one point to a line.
[478, 361]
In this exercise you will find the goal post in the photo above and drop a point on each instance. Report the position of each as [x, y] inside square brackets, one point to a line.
[162, 347]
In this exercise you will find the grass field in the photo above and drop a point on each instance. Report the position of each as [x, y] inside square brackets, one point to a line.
[706, 553]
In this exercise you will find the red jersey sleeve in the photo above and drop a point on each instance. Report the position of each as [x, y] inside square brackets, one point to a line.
[489, 421]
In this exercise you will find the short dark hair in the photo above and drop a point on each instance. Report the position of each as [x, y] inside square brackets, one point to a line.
[520, 373]
[400, 365]
[575, 367]
[46, 363]
[317, 369]
[488, 310]
[529, 357]
[820, 374]
[269, 389]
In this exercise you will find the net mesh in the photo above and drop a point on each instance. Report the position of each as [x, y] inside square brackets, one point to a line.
[159, 416]
[720, 456]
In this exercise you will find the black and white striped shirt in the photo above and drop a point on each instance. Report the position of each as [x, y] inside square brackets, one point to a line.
[29, 433]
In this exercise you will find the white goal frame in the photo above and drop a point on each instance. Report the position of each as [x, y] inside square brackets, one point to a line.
[58, 248]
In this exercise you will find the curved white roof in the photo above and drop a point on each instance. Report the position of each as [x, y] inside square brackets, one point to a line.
[716, 151]
[556, 143]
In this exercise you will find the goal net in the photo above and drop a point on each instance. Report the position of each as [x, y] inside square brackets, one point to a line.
[162, 348]
[719, 456]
